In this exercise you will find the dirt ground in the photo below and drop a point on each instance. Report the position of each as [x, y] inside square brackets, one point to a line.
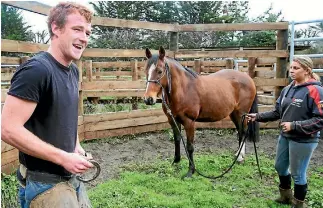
[115, 152]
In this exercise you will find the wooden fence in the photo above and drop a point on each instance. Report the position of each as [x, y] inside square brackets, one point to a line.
[127, 79]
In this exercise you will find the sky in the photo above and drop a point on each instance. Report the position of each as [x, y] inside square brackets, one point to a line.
[292, 11]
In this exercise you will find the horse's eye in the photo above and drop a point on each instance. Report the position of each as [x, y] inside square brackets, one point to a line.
[159, 71]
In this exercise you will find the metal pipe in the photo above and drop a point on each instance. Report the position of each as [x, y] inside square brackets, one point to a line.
[291, 54]
[317, 70]
[308, 39]
[308, 21]
[312, 55]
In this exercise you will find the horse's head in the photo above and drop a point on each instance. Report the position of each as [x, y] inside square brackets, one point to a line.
[156, 74]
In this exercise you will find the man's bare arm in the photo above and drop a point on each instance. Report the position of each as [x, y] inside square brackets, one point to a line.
[14, 115]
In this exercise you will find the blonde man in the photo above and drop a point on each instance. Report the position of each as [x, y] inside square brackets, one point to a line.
[40, 114]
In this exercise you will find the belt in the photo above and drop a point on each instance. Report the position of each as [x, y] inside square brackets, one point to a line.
[46, 177]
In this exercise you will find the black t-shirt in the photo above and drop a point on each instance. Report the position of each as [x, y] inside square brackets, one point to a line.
[54, 87]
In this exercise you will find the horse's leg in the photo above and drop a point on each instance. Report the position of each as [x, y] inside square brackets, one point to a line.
[189, 126]
[177, 141]
[236, 119]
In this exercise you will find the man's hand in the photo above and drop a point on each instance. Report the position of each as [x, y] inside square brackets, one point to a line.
[75, 163]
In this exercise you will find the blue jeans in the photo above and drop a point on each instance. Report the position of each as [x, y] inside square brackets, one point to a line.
[32, 189]
[293, 158]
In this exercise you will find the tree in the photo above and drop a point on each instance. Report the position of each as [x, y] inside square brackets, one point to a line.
[13, 26]
[262, 38]
[40, 37]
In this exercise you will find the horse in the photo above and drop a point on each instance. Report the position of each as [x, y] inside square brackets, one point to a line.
[200, 98]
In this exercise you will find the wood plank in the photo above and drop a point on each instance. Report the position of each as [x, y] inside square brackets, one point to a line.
[6, 77]
[101, 52]
[80, 129]
[125, 131]
[22, 47]
[114, 93]
[27, 47]
[122, 115]
[6, 147]
[266, 99]
[95, 118]
[233, 27]
[266, 88]
[271, 82]
[6, 60]
[108, 85]
[214, 63]
[281, 66]
[110, 22]
[9, 156]
[265, 74]
[266, 61]
[4, 95]
[229, 124]
[10, 167]
[114, 64]
[113, 73]
[32, 6]
[231, 54]
[123, 123]
[80, 120]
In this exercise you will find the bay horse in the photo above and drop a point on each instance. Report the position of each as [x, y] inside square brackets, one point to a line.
[194, 98]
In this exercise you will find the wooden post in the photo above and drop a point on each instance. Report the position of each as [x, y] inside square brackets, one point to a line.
[197, 66]
[134, 67]
[88, 67]
[79, 64]
[89, 75]
[229, 63]
[23, 59]
[281, 66]
[173, 42]
[251, 66]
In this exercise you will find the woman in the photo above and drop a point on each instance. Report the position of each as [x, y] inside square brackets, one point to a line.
[299, 107]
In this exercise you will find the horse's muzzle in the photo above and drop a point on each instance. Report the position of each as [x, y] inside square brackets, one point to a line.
[149, 101]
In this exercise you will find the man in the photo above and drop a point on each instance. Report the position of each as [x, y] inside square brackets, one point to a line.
[40, 114]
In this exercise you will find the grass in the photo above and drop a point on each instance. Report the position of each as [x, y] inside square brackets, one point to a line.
[9, 189]
[158, 185]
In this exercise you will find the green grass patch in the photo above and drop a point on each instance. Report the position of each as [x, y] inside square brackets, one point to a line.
[158, 184]
[9, 191]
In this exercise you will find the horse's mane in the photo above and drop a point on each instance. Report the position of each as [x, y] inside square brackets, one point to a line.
[154, 59]
[192, 72]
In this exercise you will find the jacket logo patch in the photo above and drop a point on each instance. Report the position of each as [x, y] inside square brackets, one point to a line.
[298, 102]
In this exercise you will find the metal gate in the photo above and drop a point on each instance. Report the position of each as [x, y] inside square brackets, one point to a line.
[293, 40]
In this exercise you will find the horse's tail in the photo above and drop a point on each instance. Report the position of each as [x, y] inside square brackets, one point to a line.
[253, 127]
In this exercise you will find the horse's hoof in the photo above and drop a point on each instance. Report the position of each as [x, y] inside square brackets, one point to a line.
[187, 175]
[176, 160]
[240, 161]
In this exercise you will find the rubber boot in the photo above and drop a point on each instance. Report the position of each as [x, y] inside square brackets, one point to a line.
[286, 194]
[299, 196]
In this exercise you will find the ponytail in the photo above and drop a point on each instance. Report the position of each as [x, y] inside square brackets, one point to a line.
[315, 76]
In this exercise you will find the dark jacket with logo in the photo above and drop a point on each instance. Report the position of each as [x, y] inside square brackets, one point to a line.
[303, 106]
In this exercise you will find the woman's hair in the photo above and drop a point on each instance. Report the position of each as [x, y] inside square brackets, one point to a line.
[59, 13]
[307, 63]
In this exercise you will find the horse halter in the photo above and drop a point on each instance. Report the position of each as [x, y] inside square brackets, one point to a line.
[169, 78]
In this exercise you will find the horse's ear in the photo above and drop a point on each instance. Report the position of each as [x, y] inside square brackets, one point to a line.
[148, 53]
[161, 53]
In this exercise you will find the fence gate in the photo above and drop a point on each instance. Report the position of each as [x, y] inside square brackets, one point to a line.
[293, 40]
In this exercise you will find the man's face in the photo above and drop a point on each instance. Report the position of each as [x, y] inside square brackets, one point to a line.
[74, 36]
